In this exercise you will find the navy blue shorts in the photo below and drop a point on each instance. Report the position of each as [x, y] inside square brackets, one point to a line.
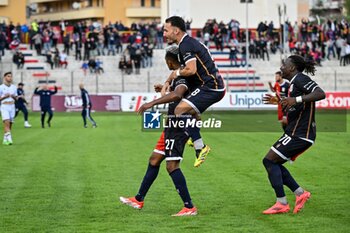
[202, 98]
[289, 147]
[175, 140]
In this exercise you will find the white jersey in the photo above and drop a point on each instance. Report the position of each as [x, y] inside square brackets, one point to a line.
[4, 90]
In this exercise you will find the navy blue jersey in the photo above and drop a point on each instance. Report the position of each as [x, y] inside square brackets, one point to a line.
[20, 101]
[207, 73]
[86, 98]
[45, 97]
[301, 117]
[174, 84]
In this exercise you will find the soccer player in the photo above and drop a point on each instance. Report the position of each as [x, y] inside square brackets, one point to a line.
[86, 112]
[21, 104]
[170, 147]
[45, 103]
[281, 88]
[300, 132]
[199, 69]
[8, 96]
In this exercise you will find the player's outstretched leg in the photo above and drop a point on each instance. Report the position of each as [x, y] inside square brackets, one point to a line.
[137, 201]
[275, 178]
[196, 141]
[181, 187]
[301, 195]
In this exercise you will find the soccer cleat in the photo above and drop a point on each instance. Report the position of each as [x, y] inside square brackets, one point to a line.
[85, 126]
[6, 143]
[300, 201]
[94, 126]
[49, 124]
[190, 142]
[186, 212]
[131, 201]
[202, 155]
[27, 125]
[277, 208]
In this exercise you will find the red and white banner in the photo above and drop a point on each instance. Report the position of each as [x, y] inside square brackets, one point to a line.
[335, 100]
[71, 103]
[130, 102]
[236, 101]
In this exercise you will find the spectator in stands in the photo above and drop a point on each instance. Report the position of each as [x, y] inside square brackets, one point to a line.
[338, 45]
[304, 30]
[233, 55]
[56, 57]
[78, 46]
[15, 43]
[188, 26]
[122, 64]
[87, 47]
[99, 69]
[3, 42]
[66, 43]
[49, 59]
[330, 48]
[263, 49]
[37, 38]
[206, 38]
[218, 42]
[150, 55]
[111, 43]
[137, 61]
[100, 44]
[93, 49]
[63, 59]
[85, 67]
[92, 65]
[160, 38]
[46, 41]
[144, 52]
[118, 43]
[18, 59]
[244, 56]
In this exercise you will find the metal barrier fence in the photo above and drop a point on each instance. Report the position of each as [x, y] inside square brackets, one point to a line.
[117, 81]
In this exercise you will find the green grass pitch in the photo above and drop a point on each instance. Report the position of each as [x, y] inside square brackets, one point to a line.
[68, 179]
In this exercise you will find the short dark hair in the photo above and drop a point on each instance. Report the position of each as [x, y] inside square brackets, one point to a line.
[7, 73]
[171, 56]
[279, 73]
[177, 21]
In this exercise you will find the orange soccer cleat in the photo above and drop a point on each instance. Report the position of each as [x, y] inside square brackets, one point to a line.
[277, 208]
[131, 201]
[186, 212]
[300, 201]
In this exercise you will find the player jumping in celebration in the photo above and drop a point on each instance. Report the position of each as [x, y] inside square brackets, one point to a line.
[86, 112]
[8, 96]
[199, 70]
[21, 104]
[170, 147]
[281, 88]
[300, 132]
[45, 103]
